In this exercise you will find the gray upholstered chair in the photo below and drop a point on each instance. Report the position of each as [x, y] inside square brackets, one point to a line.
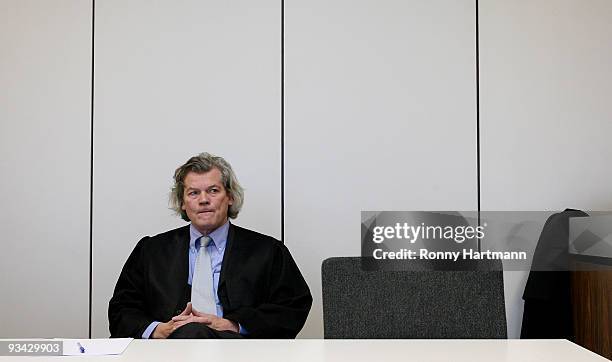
[411, 304]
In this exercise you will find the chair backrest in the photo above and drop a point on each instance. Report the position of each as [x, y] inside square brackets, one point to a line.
[411, 304]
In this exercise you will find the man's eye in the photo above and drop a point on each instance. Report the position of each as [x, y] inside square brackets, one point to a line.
[192, 193]
[214, 191]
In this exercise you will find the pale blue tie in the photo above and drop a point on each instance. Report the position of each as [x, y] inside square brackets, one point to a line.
[202, 292]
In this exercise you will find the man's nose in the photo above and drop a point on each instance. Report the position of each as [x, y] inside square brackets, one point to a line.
[204, 199]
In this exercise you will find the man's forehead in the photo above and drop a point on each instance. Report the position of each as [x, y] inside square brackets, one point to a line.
[203, 179]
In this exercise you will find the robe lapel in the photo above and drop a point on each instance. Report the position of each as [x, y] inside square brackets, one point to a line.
[182, 290]
[225, 265]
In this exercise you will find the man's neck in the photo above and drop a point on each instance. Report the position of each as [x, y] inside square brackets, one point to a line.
[208, 232]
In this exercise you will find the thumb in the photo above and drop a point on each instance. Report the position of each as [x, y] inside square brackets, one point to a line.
[187, 310]
[197, 313]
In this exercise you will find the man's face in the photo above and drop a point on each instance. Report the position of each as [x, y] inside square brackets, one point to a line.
[205, 200]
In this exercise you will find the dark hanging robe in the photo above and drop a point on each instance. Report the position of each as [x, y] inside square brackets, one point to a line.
[548, 307]
[260, 286]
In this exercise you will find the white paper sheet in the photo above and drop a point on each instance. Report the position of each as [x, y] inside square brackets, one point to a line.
[95, 347]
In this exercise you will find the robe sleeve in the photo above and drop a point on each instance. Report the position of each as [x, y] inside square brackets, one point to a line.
[284, 312]
[126, 309]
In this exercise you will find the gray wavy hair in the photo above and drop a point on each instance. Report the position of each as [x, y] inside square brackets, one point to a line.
[203, 163]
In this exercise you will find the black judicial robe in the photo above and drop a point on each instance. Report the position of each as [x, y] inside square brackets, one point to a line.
[548, 303]
[260, 286]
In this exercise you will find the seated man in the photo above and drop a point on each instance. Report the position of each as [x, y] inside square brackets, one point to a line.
[209, 279]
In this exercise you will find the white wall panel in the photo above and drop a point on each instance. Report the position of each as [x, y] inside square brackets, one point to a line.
[545, 111]
[380, 115]
[175, 78]
[45, 72]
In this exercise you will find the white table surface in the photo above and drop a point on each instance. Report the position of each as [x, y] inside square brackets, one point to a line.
[316, 350]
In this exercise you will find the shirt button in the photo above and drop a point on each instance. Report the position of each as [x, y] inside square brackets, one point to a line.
[178, 311]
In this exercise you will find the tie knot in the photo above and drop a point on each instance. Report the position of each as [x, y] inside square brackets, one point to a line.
[205, 241]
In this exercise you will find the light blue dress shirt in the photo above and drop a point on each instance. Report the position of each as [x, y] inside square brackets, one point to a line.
[216, 249]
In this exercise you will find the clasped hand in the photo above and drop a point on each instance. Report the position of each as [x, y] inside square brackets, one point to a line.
[190, 315]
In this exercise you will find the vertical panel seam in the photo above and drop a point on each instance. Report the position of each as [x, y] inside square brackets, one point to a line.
[478, 118]
[282, 125]
[91, 164]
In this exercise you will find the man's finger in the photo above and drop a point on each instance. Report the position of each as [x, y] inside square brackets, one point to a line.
[181, 317]
[203, 319]
[187, 310]
[178, 325]
[183, 320]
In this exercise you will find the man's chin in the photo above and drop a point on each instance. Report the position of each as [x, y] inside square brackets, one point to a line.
[204, 227]
[204, 218]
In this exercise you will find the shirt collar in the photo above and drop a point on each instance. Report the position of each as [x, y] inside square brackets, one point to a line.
[219, 235]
